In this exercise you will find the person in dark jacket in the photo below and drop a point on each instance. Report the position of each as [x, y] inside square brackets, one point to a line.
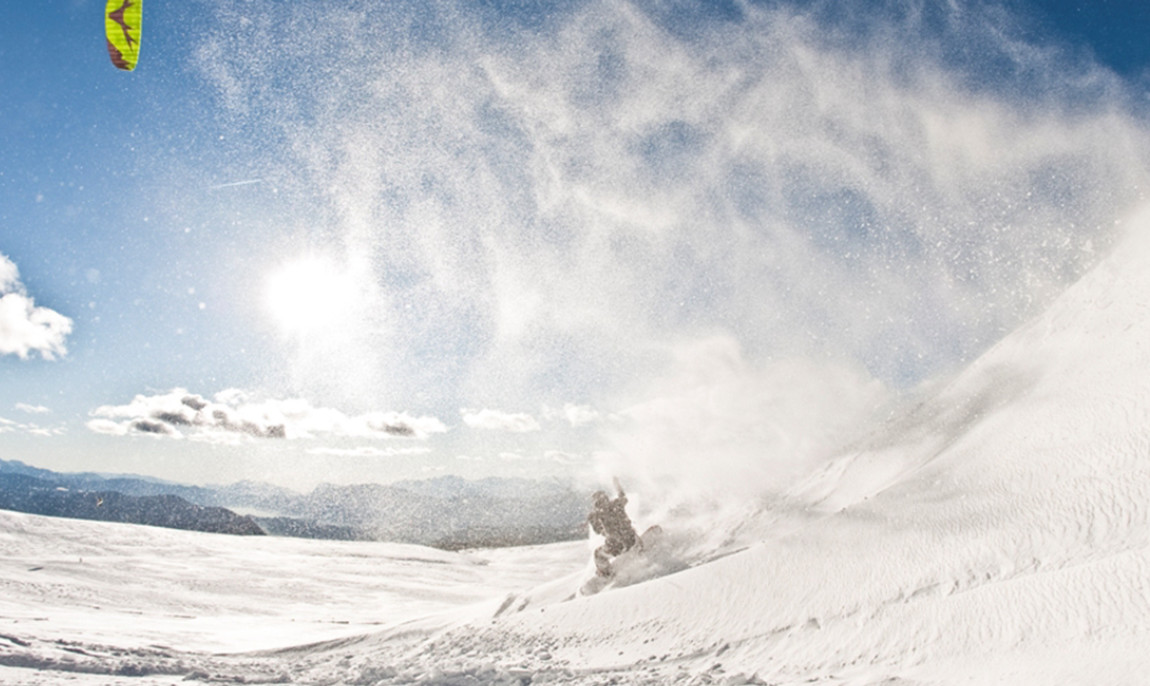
[609, 519]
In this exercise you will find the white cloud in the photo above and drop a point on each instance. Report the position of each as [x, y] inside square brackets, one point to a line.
[108, 427]
[495, 420]
[32, 409]
[10, 426]
[9, 275]
[575, 415]
[24, 327]
[45, 430]
[556, 456]
[564, 458]
[232, 416]
[368, 451]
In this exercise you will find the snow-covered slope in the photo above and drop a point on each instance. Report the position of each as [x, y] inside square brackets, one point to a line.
[81, 597]
[998, 533]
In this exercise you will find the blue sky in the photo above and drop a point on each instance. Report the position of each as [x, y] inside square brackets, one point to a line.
[353, 242]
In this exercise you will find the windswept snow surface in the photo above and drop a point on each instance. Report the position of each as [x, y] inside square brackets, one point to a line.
[89, 598]
[998, 533]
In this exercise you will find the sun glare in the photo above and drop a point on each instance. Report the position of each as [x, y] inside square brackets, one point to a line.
[307, 294]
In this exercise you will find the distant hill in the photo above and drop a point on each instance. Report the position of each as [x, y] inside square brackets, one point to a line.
[450, 512]
[121, 483]
[446, 512]
[300, 528]
[34, 495]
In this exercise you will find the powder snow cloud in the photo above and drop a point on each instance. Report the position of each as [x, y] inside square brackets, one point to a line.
[819, 207]
[561, 210]
[25, 328]
[232, 416]
[722, 428]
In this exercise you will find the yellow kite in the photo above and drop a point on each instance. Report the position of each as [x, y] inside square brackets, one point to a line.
[122, 21]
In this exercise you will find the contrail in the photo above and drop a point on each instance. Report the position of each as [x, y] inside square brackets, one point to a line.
[234, 183]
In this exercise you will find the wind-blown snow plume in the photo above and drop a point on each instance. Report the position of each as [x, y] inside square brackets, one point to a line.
[575, 205]
[721, 427]
[24, 327]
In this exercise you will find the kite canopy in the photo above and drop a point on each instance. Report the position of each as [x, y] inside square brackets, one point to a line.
[122, 22]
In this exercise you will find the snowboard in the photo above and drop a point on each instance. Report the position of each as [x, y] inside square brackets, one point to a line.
[636, 564]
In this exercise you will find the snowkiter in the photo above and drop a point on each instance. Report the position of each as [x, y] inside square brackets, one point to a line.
[609, 519]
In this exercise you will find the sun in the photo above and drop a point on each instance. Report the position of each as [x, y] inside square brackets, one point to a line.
[308, 294]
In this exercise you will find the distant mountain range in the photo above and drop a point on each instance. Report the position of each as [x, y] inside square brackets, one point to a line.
[46, 497]
[446, 512]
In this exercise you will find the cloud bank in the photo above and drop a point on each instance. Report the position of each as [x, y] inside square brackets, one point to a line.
[231, 417]
[25, 328]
